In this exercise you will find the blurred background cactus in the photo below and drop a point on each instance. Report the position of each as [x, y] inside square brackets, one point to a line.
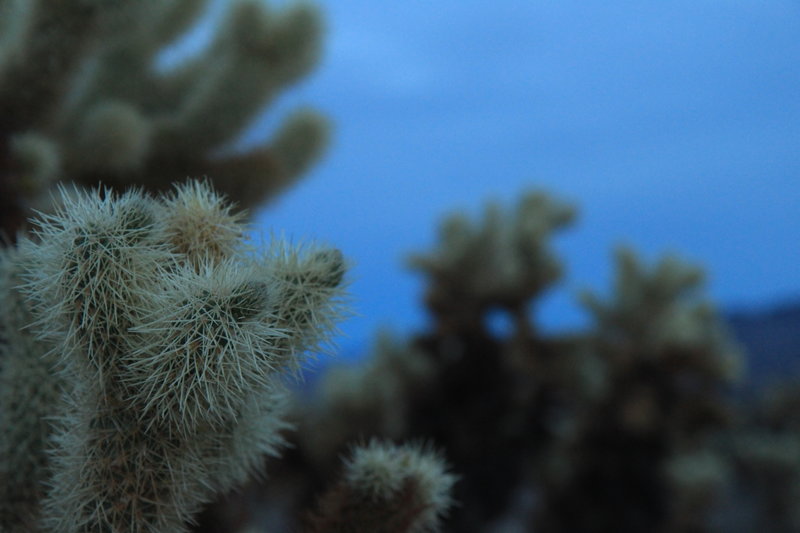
[145, 343]
[82, 100]
[626, 421]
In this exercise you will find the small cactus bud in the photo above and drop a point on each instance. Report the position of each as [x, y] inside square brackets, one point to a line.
[387, 489]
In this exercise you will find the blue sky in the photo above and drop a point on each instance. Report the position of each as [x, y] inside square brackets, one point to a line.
[672, 125]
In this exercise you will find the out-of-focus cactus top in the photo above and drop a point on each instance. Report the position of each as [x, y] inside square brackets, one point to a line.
[502, 261]
[659, 313]
[81, 100]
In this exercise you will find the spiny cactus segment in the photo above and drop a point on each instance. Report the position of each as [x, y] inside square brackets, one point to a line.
[171, 337]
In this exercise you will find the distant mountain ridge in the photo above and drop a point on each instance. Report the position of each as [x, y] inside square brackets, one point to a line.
[771, 339]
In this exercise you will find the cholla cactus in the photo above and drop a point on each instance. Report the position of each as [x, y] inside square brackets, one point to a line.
[154, 379]
[668, 364]
[611, 429]
[170, 337]
[656, 313]
[28, 391]
[81, 100]
[504, 261]
[386, 489]
[487, 403]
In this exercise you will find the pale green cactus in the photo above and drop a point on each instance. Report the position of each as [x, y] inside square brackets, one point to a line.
[171, 340]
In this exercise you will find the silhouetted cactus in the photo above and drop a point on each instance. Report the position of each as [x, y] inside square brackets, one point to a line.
[645, 455]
